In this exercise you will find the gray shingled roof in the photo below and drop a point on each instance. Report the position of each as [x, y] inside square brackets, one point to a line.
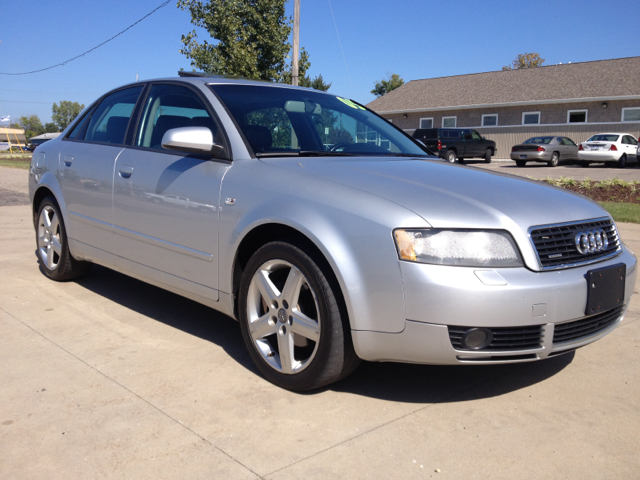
[603, 78]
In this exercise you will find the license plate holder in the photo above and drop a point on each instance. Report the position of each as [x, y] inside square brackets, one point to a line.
[605, 288]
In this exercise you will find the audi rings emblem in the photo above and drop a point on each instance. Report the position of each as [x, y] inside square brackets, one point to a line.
[591, 242]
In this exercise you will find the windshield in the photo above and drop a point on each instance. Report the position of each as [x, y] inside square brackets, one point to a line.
[288, 121]
[604, 138]
[544, 140]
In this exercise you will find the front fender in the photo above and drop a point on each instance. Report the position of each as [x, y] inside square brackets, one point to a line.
[352, 229]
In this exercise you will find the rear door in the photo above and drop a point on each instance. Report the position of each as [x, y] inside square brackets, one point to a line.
[87, 161]
[166, 202]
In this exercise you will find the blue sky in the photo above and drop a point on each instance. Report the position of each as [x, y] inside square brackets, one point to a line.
[415, 39]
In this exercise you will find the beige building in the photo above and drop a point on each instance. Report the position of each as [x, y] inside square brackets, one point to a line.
[14, 136]
[574, 100]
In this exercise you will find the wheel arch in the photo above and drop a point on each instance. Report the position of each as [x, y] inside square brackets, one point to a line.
[266, 233]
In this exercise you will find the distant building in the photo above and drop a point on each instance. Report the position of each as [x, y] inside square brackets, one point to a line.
[574, 100]
[40, 139]
[15, 136]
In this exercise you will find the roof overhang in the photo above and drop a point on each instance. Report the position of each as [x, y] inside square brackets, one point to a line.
[512, 104]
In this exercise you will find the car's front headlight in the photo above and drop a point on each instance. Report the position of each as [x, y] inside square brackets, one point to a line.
[468, 248]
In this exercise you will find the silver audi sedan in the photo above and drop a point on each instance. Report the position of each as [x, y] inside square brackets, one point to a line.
[327, 232]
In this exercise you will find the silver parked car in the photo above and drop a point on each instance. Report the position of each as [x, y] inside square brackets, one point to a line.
[326, 231]
[544, 149]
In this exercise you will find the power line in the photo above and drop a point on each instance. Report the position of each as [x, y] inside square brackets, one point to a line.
[94, 48]
[340, 42]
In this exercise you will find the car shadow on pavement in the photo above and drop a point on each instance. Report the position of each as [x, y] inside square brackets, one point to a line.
[447, 383]
[386, 381]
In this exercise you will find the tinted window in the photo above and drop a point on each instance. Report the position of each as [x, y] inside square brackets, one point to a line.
[539, 140]
[604, 138]
[278, 121]
[475, 135]
[171, 106]
[453, 134]
[109, 121]
[578, 117]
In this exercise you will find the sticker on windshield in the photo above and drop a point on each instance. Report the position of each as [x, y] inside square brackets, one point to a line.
[350, 103]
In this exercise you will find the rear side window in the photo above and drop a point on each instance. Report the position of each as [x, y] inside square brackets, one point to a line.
[109, 121]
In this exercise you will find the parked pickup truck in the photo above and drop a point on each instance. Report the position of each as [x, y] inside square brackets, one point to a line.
[460, 143]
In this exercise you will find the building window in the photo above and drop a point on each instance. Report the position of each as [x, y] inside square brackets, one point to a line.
[390, 120]
[490, 120]
[577, 116]
[426, 122]
[449, 122]
[631, 114]
[531, 118]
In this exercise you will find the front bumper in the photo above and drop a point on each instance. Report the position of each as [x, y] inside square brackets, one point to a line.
[437, 297]
[599, 155]
[532, 156]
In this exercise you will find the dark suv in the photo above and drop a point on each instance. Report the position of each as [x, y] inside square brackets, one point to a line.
[460, 143]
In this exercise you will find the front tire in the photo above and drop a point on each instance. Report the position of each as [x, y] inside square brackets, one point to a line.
[555, 158]
[53, 245]
[487, 156]
[584, 163]
[292, 321]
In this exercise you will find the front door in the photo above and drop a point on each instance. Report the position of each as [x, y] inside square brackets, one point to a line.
[165, 202]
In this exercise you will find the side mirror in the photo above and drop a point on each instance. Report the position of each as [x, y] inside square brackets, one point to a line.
[191, 140]
[484, 138]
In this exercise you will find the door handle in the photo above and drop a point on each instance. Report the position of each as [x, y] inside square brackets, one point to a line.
[126, 171]
[68, 160]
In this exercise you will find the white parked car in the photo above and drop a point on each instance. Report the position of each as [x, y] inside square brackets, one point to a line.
[620, 148]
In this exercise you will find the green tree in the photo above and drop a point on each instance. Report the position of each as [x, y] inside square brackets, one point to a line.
[32, 126]
[50, 127]
[385, 86]
[65, 113]
[317, 83]
[252, 39]
[525, 60]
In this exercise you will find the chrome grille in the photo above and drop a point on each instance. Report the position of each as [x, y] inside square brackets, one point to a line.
[555, 244]
[509, 338]
[571, 331]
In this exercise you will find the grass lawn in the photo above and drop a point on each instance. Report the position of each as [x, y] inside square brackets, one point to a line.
[15, 163]
[623, 212]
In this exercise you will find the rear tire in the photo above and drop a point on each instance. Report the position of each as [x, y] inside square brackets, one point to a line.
[555, 158]
[53, 245]
[521, 163]
[293, 319]
[622, 161]
[487, 156]
[451, 156]
[584, 164]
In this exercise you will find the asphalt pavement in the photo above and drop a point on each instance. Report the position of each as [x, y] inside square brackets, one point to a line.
[108, 377]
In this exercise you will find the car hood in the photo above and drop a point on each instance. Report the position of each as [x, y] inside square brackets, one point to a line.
[451, 196]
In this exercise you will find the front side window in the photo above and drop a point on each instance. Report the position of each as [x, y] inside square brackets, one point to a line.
[449, 122]
[279, 121]
[171, 106]
[531, 118]
[568, 141]
[577, 116]
[631, 114]
[490, 120]
[109, 121]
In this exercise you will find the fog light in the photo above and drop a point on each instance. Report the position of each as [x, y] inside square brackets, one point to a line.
[476, 338]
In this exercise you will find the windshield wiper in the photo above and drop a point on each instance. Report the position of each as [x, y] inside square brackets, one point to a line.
[305, 153]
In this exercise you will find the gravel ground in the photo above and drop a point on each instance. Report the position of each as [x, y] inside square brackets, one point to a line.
[14, 189]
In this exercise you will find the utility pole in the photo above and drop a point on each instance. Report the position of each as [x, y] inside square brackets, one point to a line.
[296, 42]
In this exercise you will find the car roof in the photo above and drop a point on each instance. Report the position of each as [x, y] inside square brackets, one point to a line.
[218, 80]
